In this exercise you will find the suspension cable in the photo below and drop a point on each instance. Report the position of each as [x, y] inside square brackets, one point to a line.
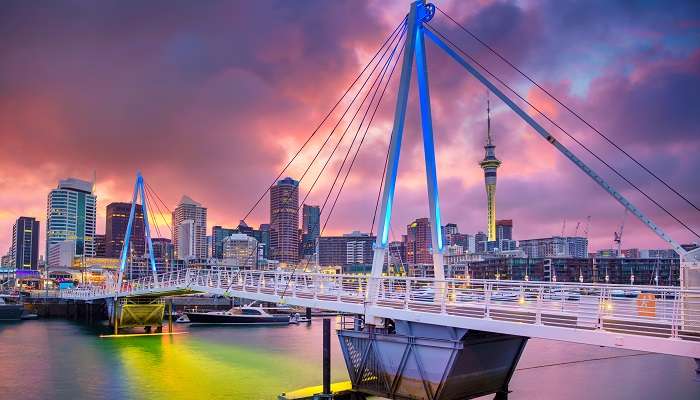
[376, 89]
[153, 194]
[262, 196]
[359, 146]
[394, 44]
[573, 112]
[443, 37]
[340, 120]
[347, 128]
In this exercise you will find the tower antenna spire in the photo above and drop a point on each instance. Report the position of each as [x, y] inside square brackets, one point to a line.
[488, 118]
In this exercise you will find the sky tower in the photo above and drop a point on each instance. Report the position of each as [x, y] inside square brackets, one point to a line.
[489, 164]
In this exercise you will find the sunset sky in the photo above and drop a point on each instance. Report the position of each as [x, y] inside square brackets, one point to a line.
[210, 99]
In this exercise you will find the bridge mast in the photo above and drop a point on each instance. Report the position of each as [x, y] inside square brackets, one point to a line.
[419, 12]
[138, 189]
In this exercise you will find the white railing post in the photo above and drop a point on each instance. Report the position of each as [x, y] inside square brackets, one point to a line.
[407, 297]
[488, 287]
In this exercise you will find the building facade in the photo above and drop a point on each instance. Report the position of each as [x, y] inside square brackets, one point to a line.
[100, 246]
[116, 221]
[24, 251]
[419, 242]
[190, 230]
[218, 234]
[310, 229]
[71, 213]
[284, 221]
[241, 250]
[556, 246]
[352, 252]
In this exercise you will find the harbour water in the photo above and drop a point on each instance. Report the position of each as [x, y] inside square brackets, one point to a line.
[64, 360]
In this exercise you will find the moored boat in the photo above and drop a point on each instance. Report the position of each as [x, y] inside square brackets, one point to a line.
[10, 311]
[244, 315]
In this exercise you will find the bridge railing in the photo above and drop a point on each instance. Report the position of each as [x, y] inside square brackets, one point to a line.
[648, 310]
[642, 310]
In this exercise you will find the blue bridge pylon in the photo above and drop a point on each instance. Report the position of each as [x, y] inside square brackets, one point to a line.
[138, 190]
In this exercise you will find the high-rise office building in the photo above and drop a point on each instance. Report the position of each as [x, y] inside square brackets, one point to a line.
[310, 229]
[284, 221]
[218, 234]
[190, 230]
[71, 213]
[480, 240]
[25, 243]
[490, 164]
[419, 242]
[116, 221]
[265, 239]
[100, 245]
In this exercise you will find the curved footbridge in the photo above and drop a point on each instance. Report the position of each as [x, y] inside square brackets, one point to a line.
[647, 318]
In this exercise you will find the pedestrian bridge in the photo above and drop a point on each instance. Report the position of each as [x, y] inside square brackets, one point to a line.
[646, 318]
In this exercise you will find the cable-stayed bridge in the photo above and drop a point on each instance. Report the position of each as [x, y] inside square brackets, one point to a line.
[458, 337]
[662, 320]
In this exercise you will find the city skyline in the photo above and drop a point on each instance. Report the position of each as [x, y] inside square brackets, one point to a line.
[649, 56]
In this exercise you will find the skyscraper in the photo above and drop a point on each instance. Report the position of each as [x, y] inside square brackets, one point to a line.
[117, 219]
[310, 229]
[71, 214]
[284, 221]
[24, 252]
[189, 230]
[100, 246]
[490, 164]
[419, 242]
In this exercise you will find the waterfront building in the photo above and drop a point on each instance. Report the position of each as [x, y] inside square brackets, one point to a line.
[419, 242]
[396, 256]
[218, 234]
[555, 246]
[116, 221]
[284, 221]
[504, 235]
[310, 229]
[185, 245]
[265, 239]
[61, 254]
[190, 230]
[71, 215]
[163, 253]
[490, 164]
[100, 246]
[480, 240]
[24, 251]
[352, 252]
[638, 271]
[241, 250]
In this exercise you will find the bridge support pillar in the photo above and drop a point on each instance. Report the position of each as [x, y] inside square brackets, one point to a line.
[423, 361]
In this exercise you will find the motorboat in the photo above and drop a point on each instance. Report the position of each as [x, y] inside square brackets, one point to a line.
[245, 315]
[10, 309]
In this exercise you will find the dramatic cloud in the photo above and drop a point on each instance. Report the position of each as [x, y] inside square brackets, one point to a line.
[211, 99]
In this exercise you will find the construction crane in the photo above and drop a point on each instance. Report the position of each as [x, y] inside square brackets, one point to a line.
[578, 224]
[618, 235]
[588, 225]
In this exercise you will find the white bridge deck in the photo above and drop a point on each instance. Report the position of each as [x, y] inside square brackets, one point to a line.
[647, 318]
